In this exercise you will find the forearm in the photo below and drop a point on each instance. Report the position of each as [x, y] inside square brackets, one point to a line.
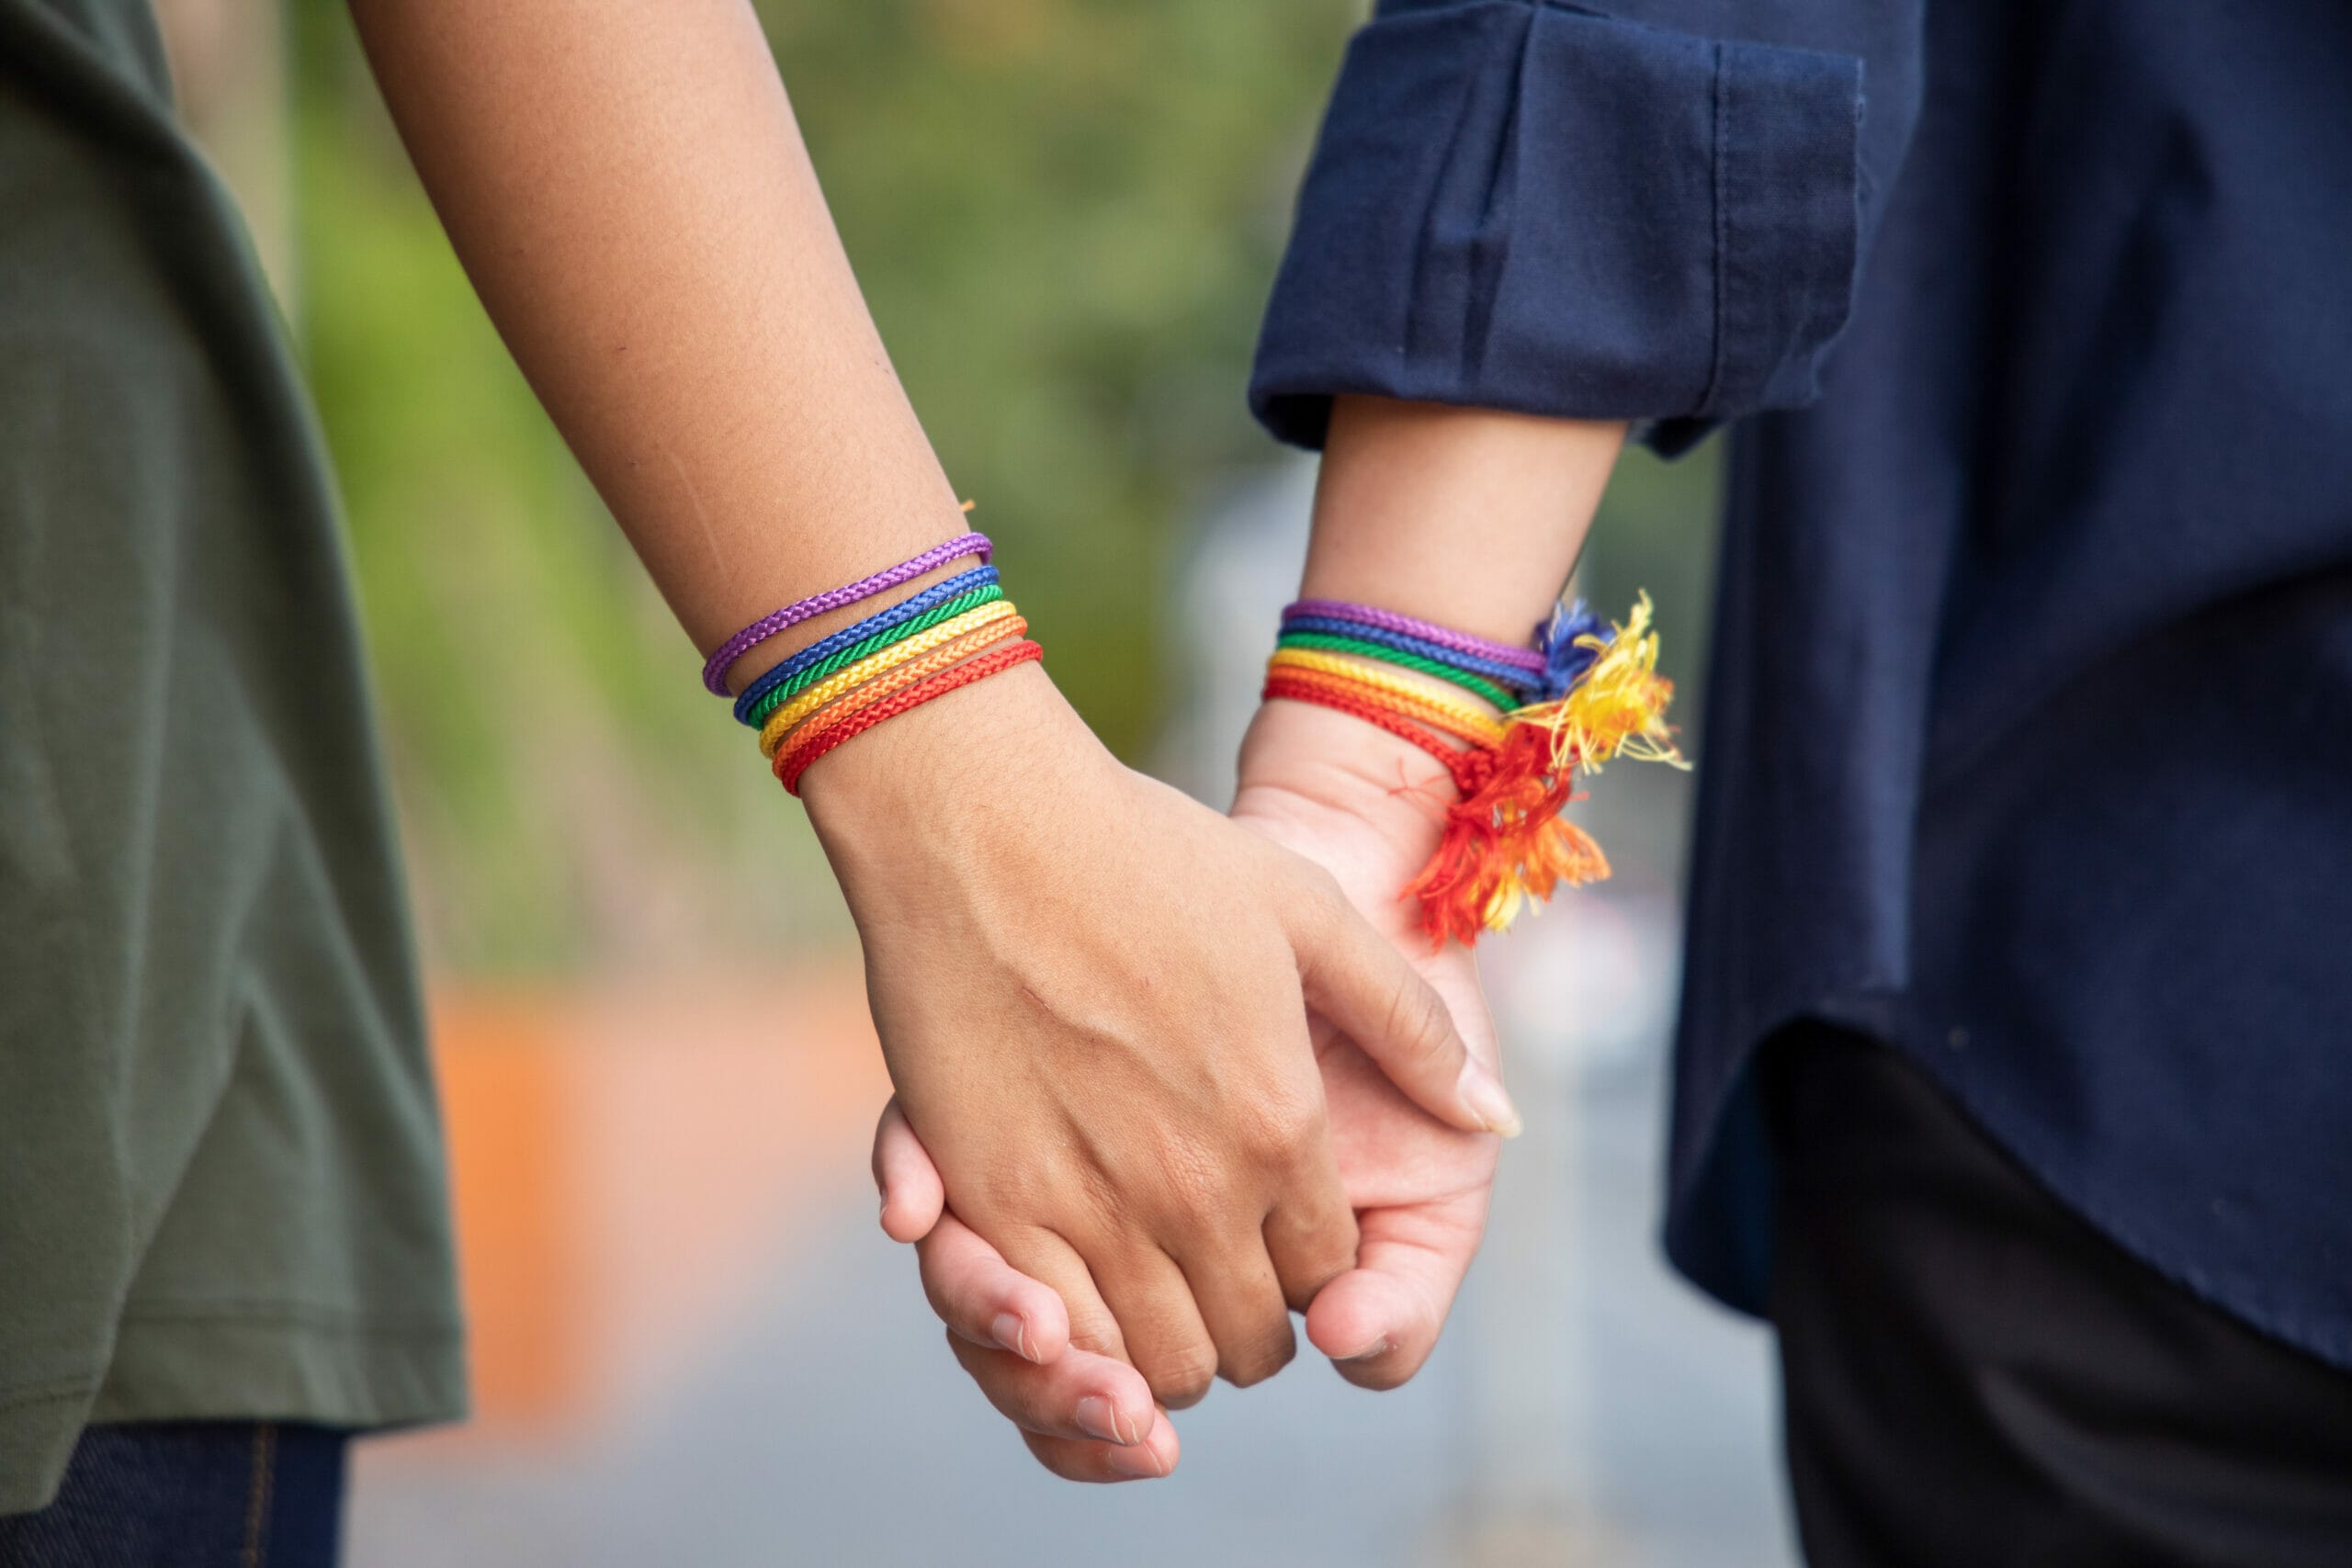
[1467, 517]
[627, 189]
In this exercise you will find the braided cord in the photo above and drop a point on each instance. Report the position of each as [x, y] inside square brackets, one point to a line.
[792, 760]
[1454, 719]
[722, 659]
[1478, 685]
[908, 664]
[754, 711]
[905, 609]
[1459, 764]
[1427, 631]
[1493, 670]
[1442, 722]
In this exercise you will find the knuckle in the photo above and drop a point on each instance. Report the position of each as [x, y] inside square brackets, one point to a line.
[1009, 1181]
[1272, 1352]
[1323, 1259]
[1419, 1022]
[1181, 1378]
[1091, 1327]
[1278, 1125]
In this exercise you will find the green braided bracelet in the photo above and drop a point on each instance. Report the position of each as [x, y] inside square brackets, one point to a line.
[1329, 643]
[785, 691]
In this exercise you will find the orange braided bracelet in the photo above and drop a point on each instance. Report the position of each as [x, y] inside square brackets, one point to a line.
[792, 759]
[1455, 719]
[841, 704]
[849, 706]
[1462, 765]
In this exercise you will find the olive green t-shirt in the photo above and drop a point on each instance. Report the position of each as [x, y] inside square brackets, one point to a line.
[220, 1177]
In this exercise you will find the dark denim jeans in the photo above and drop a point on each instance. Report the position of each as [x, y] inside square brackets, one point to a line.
[189, 1495]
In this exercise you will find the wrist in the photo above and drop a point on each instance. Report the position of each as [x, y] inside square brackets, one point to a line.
[950, 763]
[1315, 759]
[1471, 518]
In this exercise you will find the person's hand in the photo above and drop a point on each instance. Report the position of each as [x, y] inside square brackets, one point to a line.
[1347, 796]
[1359, 803]
[1092, 993]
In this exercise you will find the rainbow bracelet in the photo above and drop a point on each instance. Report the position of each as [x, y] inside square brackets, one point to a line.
[936, 641]
[792, 760]
[1474, 683]
[873, 692]
[1457, 720]
[722, 659]
[749, 710]
[1426, 631]
[1503, 844]
[1508, 674]
[934, 649]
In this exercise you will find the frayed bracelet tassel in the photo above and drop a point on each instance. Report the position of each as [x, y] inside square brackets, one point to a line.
[1505, 844]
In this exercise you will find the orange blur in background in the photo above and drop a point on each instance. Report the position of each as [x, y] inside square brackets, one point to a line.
[627, 1160]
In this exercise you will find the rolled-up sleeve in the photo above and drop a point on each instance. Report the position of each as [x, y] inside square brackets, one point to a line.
[1518, 205]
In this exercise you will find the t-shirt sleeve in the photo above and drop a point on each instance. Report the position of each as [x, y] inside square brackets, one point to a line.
[1519, 205]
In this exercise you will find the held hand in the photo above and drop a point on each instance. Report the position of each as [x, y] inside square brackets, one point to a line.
[1089, 992]
[1327, 787]
[1355, 801]
[1086, 1415]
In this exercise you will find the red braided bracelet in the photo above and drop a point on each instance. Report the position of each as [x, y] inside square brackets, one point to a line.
[791, 761]
[1468, 769]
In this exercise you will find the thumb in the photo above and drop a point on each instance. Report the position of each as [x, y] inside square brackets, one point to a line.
[912, 1195]
[1354, 977]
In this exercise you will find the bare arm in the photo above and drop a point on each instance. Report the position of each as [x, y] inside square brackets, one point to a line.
[1472, 518]
[1469, 517]
[627, 186]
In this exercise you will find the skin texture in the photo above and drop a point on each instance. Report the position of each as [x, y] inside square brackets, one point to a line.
[1403, 487]
[1091, 991]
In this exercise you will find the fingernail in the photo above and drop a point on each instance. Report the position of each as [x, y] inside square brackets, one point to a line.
[1369, 1351]
[1138, 1462]
[1011, 1331]
[1483, 1092]
[1096, 1419]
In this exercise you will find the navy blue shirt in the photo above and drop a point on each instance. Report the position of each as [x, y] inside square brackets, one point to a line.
[2029, 742]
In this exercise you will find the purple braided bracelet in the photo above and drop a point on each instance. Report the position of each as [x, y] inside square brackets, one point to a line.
[714, 673]
[1389, 620]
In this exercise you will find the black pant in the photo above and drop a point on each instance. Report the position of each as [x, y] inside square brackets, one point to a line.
[1974, 1377]
[189, 1495]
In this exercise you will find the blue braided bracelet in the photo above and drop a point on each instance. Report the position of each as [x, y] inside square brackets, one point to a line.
[1501, 674]
[903, 611]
